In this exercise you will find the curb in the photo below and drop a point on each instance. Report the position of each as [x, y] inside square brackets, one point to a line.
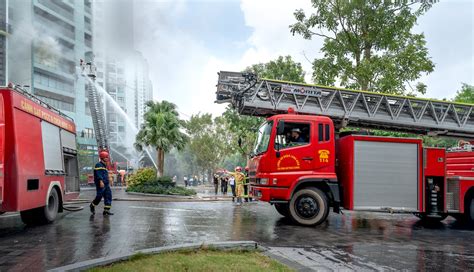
[123, 257]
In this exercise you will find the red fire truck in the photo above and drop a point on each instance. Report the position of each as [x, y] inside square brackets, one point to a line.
[304, 163]
[38, 157]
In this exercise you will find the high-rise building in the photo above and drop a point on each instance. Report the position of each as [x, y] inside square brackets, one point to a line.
[4, 32]
[121, 71]
[48, 39]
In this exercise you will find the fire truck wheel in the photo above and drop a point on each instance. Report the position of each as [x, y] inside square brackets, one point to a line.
[469, 209]
[309, 207]
[42, 215]
[50, 211]
[283, 209]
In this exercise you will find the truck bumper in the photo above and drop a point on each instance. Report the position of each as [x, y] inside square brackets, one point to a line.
[269, 193]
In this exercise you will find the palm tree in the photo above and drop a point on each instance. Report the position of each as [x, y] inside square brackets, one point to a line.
[161, 130]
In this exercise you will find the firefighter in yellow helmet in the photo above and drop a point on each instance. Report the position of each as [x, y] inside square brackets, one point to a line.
[239, 183]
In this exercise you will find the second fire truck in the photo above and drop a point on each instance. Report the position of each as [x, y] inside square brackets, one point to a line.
[305, 164]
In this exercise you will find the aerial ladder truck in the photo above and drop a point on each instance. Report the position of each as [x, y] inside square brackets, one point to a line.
[305, 162]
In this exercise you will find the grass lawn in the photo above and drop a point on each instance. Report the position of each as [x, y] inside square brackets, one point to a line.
[199, 260]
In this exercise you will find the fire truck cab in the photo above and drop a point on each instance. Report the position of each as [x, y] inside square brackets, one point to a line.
[38, 157]
[302, 167]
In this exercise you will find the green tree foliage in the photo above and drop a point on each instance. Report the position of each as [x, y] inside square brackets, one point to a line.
[208, 141]
[368, 44]
[161, 130]
[283, 68]
[466, 94]
[243, 128]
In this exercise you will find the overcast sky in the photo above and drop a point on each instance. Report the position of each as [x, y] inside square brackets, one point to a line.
[187, 42]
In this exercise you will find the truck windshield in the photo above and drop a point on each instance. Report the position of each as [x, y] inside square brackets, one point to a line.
[263, 138]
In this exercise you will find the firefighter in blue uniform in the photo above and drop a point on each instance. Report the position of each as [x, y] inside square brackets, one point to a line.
[101, 180]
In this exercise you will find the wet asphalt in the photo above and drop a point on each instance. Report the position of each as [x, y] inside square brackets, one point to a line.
[352, 241]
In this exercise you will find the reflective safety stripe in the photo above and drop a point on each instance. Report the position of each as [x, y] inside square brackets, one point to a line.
[100, 168]
[108, 207]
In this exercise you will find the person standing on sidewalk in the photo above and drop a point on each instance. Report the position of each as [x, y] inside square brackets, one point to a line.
[232, 186]
[102, 185]
[224, 181]
[216, 183]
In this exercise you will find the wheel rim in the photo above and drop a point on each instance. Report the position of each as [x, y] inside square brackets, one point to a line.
[306, 207]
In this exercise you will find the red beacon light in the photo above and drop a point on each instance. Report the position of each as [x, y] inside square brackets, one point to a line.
[291, 110]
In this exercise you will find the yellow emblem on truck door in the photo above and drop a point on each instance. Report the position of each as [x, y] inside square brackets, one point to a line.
[323, 155]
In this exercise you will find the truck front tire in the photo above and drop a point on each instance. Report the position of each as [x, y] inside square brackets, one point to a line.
[282, 209]
[43, 215]
[469, 209]
[309, 207]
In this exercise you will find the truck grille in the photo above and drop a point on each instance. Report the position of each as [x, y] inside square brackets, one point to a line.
[452, 195]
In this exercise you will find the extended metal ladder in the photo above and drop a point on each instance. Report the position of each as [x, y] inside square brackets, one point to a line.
[264, 97]
[95, 105]
[97, 114]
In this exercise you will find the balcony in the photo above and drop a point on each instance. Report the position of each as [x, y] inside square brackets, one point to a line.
[51, 26]
[55, 6]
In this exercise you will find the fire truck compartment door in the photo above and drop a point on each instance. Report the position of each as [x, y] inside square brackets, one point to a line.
[53, 159]
[2, 149]
[68, 140]
[385, 176]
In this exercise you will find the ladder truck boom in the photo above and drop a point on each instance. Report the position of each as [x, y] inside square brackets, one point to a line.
[251, 95]
[97, 114]
[95, 105]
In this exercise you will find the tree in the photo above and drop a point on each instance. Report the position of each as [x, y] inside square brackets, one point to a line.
[161, 130]
[208, 141]
[466, 94]
[283, 68]
[367, 44]
[241, 129]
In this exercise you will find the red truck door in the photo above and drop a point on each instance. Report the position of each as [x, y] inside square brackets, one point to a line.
[296, 151]
[2, 148]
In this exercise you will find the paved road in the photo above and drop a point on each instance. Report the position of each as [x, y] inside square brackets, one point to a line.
[354, 241]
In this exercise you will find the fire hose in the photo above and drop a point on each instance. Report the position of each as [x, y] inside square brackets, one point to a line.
[70, 206]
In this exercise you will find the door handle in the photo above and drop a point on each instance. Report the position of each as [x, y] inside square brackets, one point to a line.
[307, 158]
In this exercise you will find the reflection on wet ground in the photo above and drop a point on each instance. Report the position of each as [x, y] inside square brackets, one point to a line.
[373, 241]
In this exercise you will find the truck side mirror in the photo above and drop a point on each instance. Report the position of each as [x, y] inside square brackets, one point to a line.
[281, 127]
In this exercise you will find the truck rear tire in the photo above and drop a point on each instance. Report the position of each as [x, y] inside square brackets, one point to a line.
[309, 207]
[43, 215]
[469, 209]
[283, 209]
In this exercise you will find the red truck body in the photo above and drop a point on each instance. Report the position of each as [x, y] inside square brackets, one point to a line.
[357, 172]
[37, 155]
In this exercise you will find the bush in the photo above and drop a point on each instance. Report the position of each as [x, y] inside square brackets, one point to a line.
[141, 176]
[161, 190]
[145, 181]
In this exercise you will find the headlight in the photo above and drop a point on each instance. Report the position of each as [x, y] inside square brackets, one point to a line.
[264, 181]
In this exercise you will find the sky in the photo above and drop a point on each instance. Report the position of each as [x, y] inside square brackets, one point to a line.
[187, 42]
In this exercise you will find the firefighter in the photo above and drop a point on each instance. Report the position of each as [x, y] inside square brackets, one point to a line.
[102, 185]
[239, 183]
